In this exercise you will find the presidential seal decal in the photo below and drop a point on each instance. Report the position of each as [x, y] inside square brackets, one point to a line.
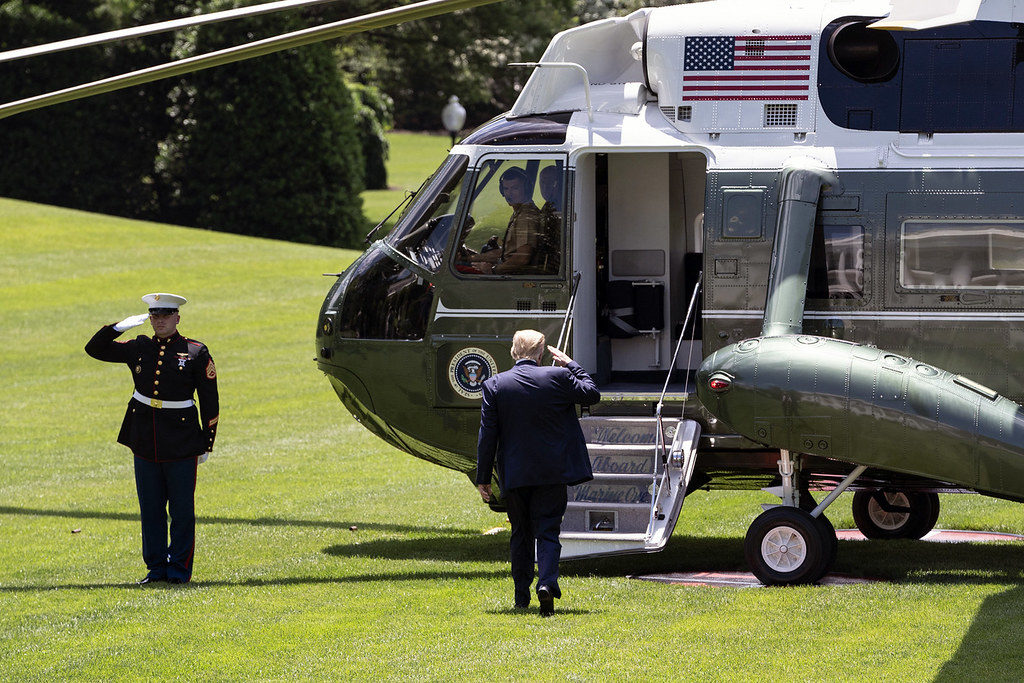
[468, 370]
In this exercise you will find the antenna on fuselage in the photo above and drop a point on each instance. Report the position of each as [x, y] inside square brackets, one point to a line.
[286, 41]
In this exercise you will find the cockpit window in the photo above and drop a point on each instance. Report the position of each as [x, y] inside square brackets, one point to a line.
[423, 229]
[515, 221]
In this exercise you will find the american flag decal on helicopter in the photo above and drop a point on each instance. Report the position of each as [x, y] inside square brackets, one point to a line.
[746, 67]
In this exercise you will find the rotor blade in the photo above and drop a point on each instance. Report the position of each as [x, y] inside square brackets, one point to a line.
[286, 41]
[149, 29]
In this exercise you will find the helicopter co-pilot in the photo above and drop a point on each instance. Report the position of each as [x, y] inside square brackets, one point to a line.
[524, 227]
[163, 429]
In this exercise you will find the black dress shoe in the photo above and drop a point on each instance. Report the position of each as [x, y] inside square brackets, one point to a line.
[547, 601]
[148, 580]
[176, 579]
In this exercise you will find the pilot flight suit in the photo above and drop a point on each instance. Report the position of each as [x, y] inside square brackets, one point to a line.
[162, 428]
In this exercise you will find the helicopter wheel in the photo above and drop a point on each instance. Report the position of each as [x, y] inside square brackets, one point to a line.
[807, 503]
[785, 546]
[831, 544]
[884, 515]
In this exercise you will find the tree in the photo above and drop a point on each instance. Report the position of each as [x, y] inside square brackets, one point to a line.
[265, 147]
[373, 117]
[93, 154]
[421, 63]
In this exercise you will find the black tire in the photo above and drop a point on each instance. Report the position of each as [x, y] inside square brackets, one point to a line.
[785, 546]
[828, 533]
[888, 515]
[807, 503]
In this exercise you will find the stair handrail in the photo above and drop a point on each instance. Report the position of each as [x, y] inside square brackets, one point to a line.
[563, 335]
[682, 334]
[675, 354]
[660, 448]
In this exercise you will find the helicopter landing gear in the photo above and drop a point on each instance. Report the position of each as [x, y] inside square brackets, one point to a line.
[794, 543]
[787, 546]
[884, 515]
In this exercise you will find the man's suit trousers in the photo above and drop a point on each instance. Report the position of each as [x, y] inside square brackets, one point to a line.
[536, 516]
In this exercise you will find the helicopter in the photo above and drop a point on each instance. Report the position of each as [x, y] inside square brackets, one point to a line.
[787, 240]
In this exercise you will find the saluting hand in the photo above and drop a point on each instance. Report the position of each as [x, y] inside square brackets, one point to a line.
[560, 358]
[131, 321]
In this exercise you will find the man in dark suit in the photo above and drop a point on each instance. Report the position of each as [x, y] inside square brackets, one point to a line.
[163, 428]
[528, 422]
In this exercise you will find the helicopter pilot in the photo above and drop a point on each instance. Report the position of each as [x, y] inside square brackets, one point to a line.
[524, 227]
[550, 240]
[163, 429]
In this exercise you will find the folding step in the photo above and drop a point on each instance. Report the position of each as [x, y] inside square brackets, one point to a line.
[606, 518]
[621, 459]
[625, 431]
[633, 501]
[611, 492]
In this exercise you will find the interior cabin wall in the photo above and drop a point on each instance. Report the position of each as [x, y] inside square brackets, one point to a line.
[652, 207]
[687, 185]
[639, 245]
[584, 326]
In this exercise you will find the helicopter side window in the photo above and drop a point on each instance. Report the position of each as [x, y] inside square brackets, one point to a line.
[837, 262]
[516, 219]
[981, 254]
[422, 231]
[742, 217]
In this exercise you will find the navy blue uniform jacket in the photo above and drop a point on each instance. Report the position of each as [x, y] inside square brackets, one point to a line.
[528, 421]
[174, 369]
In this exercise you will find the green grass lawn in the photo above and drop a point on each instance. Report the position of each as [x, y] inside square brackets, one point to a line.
[413, 157]
[323, 553]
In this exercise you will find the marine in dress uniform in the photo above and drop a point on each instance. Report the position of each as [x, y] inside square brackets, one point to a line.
[162, 427]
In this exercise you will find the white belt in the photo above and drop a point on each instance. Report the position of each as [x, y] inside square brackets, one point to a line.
[157, 403]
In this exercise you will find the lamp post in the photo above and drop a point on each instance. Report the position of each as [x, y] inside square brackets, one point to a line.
[453, 116]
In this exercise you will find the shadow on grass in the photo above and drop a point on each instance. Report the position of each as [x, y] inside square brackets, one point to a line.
[992, 645]
[246, 521]
[535, 612]
[905, 562]
[439, 546]
[388, 577]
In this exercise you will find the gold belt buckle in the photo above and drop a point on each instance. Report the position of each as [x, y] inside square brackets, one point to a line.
[156, 403]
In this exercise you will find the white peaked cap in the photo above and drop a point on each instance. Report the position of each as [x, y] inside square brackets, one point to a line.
[164, 300]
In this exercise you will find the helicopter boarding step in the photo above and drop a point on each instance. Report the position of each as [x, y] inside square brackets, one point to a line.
[634, 500]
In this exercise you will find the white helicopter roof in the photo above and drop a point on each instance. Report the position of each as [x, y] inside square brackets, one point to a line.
[617, 65]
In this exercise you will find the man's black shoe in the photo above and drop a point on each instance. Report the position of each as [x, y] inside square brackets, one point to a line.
[522, 606]
[176, 579]
[547, 601]
[149, 580]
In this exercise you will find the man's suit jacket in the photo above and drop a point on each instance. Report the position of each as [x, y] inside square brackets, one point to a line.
[528, 422]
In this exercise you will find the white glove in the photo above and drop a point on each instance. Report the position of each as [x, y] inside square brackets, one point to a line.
[204, 457]
[131, 321]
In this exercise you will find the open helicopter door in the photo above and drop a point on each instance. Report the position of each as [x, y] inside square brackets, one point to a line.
[634, 500]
